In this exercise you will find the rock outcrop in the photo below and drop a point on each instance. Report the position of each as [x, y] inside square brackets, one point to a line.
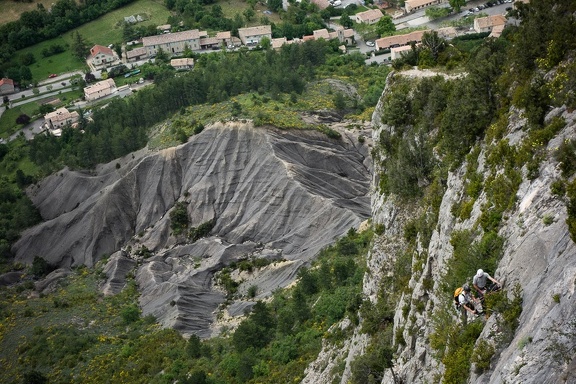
[270, 193]
[538, 256]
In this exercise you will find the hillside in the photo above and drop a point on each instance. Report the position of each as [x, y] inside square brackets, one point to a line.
[321, 256]
[268, 194]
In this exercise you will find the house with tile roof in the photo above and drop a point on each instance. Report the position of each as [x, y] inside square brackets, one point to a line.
[136, 54]
[371, 16]
[414, 5]
[60, 118]
[6, 86]
[399, 40]
[102, 57]
[172, 43]
[182, 64]
[486, 24]
[253, 35]
[322, 4]
[100, 89]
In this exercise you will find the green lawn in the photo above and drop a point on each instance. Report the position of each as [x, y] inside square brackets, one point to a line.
[11, 10]
[104, 31]
[8, 120]
[44, 66]
[108, 28]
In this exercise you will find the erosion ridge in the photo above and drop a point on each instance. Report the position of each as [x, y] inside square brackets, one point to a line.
[272, 193]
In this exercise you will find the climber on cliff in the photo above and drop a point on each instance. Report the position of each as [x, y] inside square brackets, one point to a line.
[481, 280]
[467, 301]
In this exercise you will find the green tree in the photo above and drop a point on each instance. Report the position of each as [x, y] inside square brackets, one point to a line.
[27, 59]
[434, 43]
[274, 5]
[457, 4]
[194, 347]
[249, 14]
[436, 12]
[179, 218]
[25, 75]
[346, 21]
[265, 42]
[161, 56]
[385, 26]
[339, 101]
[79, 46]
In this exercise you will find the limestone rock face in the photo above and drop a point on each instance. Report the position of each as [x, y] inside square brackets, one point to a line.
[271, 193]
[538, 255]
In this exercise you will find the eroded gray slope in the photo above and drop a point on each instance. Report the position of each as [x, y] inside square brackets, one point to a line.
[272, 194]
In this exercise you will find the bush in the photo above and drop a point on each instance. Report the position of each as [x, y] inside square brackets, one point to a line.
[130, 314]
[179, 218]
[23, 119]
[481, 356]
[202, 230]
[566, 156]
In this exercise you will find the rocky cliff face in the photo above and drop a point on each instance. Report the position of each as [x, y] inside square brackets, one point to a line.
[538, 256]
[272, 194]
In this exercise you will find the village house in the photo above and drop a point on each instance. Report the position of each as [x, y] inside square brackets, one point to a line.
[344, 35]
[101, 57]
[182, 64]
[136, 54]
[253, 35]
[279, 42]
[210, 43]
[60, 118]
[322, 34]
[371, 16]
[496, 31]
[414, 5]
[486, 24]
[225, 38]
[172, 43]
[447, 33]
[6, 86]
[399, 40]
[397, 52]
[100, 89]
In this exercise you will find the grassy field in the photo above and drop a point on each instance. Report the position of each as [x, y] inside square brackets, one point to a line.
[104, 31]
[11, 10]
[108, 28]
[59, 63]
[8, 124]
[231, 7]
[8, 119]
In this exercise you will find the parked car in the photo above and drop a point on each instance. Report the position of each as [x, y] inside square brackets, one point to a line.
[52, 75]
[370, 43]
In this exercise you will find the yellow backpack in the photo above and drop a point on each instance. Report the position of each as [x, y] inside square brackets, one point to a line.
[457, 293]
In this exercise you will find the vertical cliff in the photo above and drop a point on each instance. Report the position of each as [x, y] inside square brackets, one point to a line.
[502, 208]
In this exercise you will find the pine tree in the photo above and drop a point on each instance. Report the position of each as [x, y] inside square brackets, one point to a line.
[79, 46]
